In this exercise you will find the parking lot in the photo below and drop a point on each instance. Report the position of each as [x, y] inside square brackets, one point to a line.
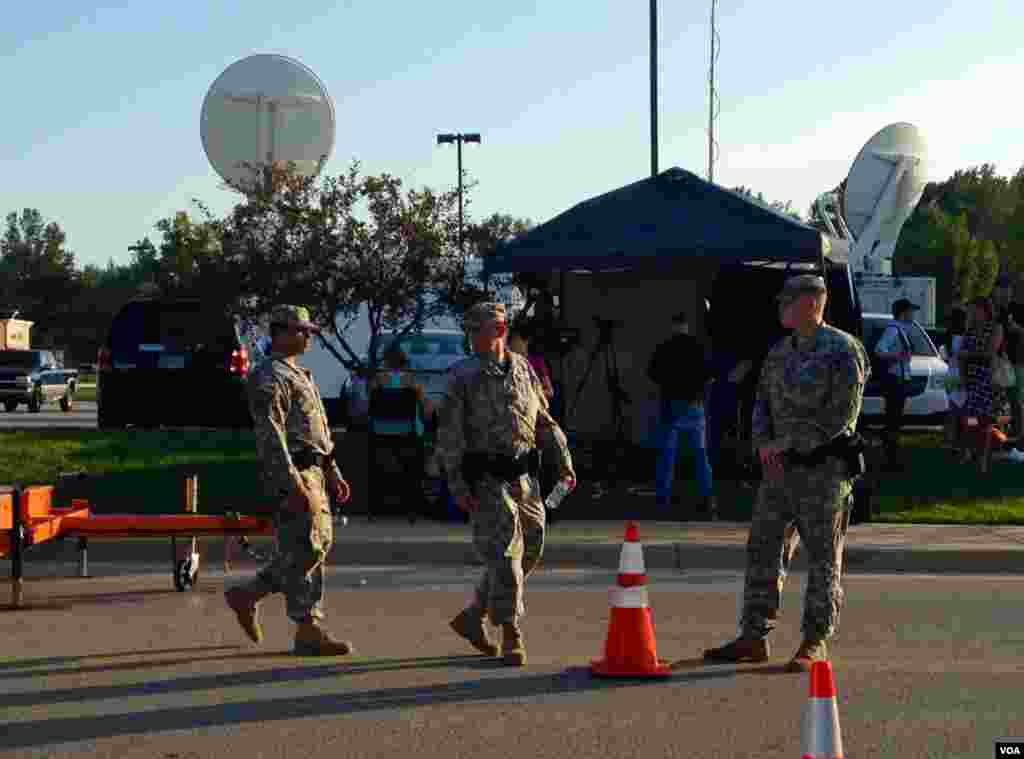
[81, 417]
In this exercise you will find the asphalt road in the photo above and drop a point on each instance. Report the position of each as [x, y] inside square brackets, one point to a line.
[82, 416]
[118, 666]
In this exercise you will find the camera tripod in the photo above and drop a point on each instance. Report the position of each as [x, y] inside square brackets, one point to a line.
[603, 350]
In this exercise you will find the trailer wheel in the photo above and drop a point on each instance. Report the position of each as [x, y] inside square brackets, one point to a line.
[185, 575]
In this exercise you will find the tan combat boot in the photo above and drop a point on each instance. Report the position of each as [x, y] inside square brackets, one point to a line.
[246, 607]
[740, 650]
[470, 624]
[313, 640]
[809, 652]
[513, 652]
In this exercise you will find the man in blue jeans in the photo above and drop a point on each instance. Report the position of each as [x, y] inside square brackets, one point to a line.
[680, 368]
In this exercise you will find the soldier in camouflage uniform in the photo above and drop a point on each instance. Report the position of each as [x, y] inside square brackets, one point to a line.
[810, 395]
[295, 445]
[496, 405]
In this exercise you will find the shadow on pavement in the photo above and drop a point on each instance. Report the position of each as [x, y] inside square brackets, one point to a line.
[69, 601]
[317, 669]
[48, 605]
[46, 661]
[576, 680]
[724, 668]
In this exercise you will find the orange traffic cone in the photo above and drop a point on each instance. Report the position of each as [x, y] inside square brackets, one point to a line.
[821, 718]
[630, 650]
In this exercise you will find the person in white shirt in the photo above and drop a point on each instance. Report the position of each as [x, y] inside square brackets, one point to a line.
[894, 350]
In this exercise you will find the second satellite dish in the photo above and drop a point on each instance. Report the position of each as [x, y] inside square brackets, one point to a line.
[871, 172]
[266, 110]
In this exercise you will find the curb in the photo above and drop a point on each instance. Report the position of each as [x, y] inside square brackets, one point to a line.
[683, 556]
[661, 556]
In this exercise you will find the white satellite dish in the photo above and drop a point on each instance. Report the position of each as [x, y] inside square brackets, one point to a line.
[262, 111]
[882, 189]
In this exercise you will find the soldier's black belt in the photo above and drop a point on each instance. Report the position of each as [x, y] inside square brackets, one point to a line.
[309, 458]
[476, 464]
[846, 448]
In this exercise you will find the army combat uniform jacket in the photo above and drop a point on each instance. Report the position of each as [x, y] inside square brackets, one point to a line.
[810, 390]
[289, 419]
[496, 409]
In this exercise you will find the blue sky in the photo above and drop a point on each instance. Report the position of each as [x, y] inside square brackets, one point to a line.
[101, 106]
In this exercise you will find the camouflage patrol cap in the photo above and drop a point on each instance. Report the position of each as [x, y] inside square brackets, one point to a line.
[482, 313]
[801, 285]
[293, 316]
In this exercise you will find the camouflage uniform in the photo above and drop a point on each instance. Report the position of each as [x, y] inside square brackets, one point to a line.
[810, 391]
[289, 417]
[499, 409]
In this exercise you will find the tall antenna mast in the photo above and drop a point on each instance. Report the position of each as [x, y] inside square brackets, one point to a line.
[654, 88]
[712, 96]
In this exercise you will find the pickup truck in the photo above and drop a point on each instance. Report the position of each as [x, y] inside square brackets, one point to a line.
[33, 377]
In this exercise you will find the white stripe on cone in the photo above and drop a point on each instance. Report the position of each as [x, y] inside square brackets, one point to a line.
[632, 560]
[821, 730]
[629, 598]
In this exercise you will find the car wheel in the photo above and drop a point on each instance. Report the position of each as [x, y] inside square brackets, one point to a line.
[185, 575]
[67, 403]
[10, 406]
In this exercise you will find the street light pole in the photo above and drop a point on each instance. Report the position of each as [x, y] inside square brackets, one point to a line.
[458, 139]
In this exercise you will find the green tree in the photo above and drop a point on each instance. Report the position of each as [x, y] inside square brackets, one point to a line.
[38, 276]
[975, 263]
[188, 261]
[1013, 250]
[345, 242]
[482, 241]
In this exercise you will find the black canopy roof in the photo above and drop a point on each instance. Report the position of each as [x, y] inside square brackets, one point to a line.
[656, 222]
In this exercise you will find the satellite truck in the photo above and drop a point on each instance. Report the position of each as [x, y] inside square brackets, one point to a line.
[884, 185]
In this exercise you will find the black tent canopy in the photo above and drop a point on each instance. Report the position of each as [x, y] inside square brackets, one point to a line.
[655, 222]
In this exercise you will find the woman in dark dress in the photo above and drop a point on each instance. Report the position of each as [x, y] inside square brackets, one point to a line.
[985, 400]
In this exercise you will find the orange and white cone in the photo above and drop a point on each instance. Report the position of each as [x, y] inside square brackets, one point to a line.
[630, 650]
[821, 719]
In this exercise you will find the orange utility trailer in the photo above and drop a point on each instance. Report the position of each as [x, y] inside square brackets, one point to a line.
[28, 517]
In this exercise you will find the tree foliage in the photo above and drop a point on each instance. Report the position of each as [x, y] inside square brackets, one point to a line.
[38, 276]
[965, 231]
[345, 242]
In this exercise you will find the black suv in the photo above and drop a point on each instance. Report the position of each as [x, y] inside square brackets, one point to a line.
[175, 363]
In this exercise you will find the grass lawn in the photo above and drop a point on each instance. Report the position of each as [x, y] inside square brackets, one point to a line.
[85, 394]
[934, 489]
[143, 471]
[941, 491]
[139, 471]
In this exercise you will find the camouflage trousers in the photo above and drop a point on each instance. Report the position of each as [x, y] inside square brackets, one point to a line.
[809, 505]
[508, 535]
[303, 542]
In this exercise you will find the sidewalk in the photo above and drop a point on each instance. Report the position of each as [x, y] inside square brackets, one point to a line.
[693, 545]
